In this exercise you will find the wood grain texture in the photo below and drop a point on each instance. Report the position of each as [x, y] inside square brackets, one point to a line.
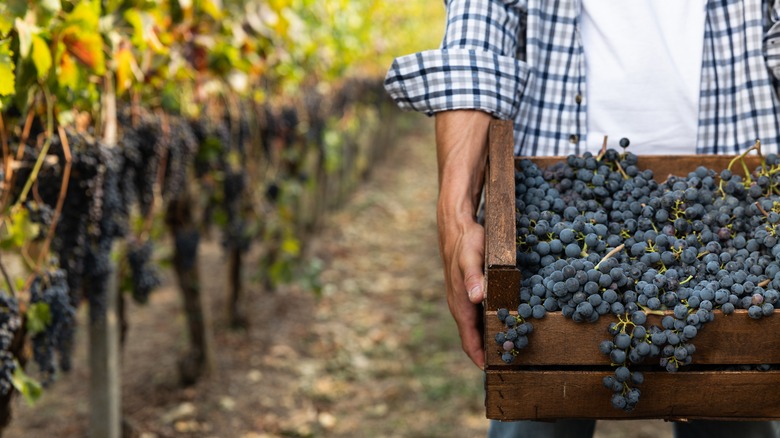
[500, 230]
[550, 395]
[556, 340]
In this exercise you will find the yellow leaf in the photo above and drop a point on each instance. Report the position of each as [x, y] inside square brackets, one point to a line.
[87, 47]
[124, 69]
[86, 14]
[41, 56]
[7, 76]
[68, 75]
[144, 31]
[213, 8]
[6, 23]
[291, 246]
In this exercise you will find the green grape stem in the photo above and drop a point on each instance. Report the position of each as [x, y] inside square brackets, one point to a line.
[649, 311]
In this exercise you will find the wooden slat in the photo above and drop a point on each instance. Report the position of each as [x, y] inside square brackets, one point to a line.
[503, 285]
[556, 340]
[665, 165]
[550, 395]
[500, 229]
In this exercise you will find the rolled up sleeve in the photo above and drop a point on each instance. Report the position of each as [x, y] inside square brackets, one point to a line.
[475, 68]
[772, 41]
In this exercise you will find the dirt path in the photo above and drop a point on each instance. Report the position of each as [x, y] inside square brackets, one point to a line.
[377, 355]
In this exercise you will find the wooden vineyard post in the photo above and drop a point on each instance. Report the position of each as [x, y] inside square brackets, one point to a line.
[104, 389]
[179, 217]
[235, 284]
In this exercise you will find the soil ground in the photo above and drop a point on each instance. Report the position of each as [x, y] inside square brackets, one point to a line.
[376, 355]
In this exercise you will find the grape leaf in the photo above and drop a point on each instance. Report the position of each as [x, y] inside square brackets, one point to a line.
[41, 56]
[6, 22]
[19, 230]
[145, 31]
[16, 8]
[124, 69]
[213, 8]
[68, 74]
[86, 15]
[87, 47]
[7, 77]
[38, 317]
[27, 386]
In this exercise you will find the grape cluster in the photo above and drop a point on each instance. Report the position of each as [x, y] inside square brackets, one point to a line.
[516, 337]
[223, 153]
[144, 277]
[598, 236]
[51, 288]
[10, 322]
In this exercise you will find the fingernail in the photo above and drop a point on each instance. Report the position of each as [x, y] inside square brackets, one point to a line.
[475, 291]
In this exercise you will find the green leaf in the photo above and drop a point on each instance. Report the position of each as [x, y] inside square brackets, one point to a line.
[86, 15]
[38, 317]
[133, 16]
[6, 21]
[41, 56]
[45, 11]
[220, 218]
[144, 31]
[111, 6]
[17, 8]
[19, 230]
[30, 389]
[7, 76]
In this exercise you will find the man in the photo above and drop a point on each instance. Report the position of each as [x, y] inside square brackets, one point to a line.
[675, 77]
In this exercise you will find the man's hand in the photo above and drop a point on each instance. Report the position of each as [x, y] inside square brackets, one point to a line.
[461, 140]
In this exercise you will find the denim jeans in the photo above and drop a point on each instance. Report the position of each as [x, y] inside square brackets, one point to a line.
[585, 428]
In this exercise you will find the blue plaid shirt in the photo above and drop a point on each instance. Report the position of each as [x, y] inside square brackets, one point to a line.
[523, 60]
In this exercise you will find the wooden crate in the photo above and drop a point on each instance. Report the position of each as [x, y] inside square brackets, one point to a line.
[559, 374]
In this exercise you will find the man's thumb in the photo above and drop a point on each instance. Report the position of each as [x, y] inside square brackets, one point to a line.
[475, 286]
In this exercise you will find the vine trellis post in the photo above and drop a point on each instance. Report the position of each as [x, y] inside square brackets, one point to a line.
[105, 411]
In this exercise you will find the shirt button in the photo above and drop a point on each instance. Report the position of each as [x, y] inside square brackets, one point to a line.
[578, 99]
[574, 139]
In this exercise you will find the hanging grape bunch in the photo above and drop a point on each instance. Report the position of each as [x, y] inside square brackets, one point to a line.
[50, 290]
[10, 322]
[598, 236]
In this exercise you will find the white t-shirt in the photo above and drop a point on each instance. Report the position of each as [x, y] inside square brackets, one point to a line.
[643, 73]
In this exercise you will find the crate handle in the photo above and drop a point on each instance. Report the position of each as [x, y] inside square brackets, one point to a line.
[503, 278]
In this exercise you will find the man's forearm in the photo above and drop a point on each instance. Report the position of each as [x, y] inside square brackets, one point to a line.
[461, 140]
